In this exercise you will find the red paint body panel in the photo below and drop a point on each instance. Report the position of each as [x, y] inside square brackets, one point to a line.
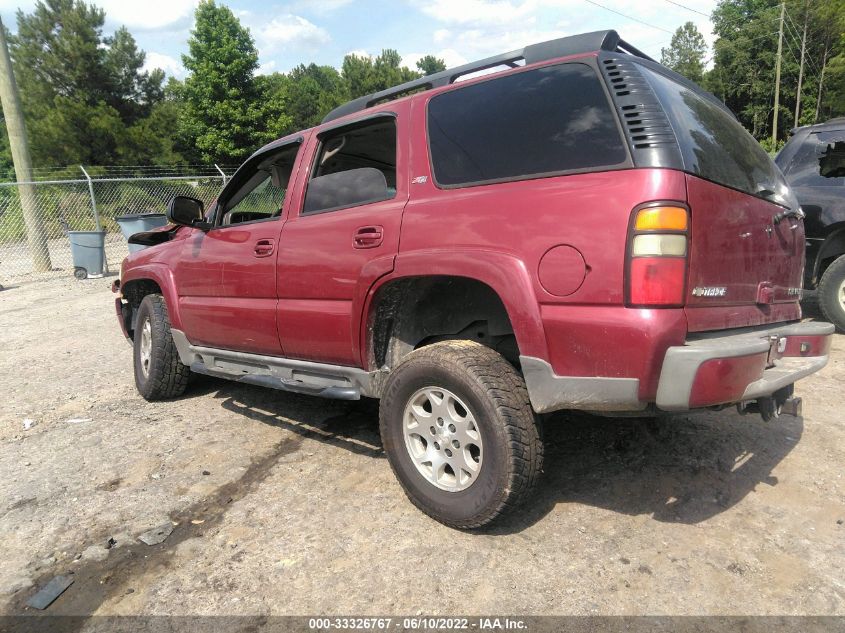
[735, 245]
[808, 346]
[723, 380]
[612, 342]
[319, 265]
[228, 294]
[706, 319]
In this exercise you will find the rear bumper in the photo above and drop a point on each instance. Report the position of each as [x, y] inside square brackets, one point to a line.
[709, 369]
[741, 365]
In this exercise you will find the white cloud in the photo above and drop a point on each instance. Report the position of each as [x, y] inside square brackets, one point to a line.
[323, 7]
[290, 32]
[267, 68]
[147, 15]
[359, 52]
[167, 63]
[479, 11]
[450, 56]
[480, 43]
[479, 28]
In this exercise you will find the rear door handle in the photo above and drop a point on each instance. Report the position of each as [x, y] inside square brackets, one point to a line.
[368, 237]
[263, 248]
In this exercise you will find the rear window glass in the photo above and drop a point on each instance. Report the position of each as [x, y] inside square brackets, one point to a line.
[528, 124]
[713, 144]
[820, 162]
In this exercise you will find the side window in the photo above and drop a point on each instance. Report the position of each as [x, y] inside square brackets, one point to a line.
[528, 124]
[355, 166]
[262, 188]
[820, 162]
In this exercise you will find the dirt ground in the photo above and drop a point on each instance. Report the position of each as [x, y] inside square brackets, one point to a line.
[284, 504]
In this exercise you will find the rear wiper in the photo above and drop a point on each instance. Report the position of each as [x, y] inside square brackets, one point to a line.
[798, 214]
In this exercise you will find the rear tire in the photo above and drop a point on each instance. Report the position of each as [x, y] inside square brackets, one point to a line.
[832, 293]
[485, 453]
[159, 373]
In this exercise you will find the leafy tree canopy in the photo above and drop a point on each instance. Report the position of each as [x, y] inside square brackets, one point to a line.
[686, 51]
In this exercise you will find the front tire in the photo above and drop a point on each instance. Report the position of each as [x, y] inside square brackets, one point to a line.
[459, 433]
[832, 293]
[159, 373]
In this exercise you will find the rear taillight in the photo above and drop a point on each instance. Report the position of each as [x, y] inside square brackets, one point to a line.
[658, 245]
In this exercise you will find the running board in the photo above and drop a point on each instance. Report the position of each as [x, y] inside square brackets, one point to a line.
[298, 376]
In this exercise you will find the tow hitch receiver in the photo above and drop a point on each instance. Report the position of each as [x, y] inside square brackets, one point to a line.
[771, 407]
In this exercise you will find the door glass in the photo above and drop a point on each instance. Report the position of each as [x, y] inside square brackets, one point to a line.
[355, 166]
[262, 189]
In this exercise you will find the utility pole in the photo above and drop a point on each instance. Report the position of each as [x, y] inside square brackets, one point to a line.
[801, 67]
[821, 81]
[777, 78]
[36, 236]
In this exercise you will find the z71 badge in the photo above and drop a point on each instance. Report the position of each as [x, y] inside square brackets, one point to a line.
[709, 291]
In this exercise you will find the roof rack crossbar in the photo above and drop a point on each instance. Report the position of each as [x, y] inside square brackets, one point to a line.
[562, 47]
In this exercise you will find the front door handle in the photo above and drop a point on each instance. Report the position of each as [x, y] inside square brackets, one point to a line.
[263, 248]
[368, 237]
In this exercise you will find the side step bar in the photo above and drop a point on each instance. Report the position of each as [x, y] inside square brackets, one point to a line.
[298, 376]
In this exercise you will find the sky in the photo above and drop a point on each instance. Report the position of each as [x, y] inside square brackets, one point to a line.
[458, 31]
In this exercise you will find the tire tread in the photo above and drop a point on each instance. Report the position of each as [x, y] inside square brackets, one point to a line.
[168, 376]
[506, 389]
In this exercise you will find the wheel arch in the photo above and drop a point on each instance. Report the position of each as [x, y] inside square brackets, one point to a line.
[490, 287]
[140, 282]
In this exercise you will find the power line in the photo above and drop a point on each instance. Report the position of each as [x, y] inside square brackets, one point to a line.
[678, 4]
[601, 6]
[798, 37]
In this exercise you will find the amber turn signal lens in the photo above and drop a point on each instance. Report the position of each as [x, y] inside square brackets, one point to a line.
[661, 218]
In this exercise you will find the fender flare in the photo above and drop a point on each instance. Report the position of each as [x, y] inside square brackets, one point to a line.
[505, 274]
[163, 276]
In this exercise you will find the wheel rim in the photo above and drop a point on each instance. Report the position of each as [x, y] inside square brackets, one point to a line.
[442, 439]
[146, 347]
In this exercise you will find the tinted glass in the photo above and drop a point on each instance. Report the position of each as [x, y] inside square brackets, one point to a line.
[820, 162]
[355, 165]
[713, 144]
[526, 124]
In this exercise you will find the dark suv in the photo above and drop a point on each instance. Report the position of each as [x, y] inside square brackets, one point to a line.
[814, 164]
[583, 229]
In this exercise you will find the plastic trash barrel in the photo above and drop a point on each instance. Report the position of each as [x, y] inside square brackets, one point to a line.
[87, 248]
[138, 223]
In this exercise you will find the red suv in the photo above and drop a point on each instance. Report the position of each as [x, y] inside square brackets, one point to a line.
[583, 229]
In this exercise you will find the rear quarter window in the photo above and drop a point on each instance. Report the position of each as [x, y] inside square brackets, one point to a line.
[535, 123]
[713, 144]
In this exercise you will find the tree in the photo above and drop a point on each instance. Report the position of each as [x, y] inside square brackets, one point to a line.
[366, 75]
[745, 53]
[221, 98]
[277, 119]
[82, 92]
[132, 92]
[686, 51]
[430, 64]
[59, 51]
[312, 92]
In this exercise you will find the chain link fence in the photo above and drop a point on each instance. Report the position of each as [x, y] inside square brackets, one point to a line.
[44, 209]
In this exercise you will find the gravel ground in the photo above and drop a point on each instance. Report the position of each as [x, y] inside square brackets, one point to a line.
[283, 504]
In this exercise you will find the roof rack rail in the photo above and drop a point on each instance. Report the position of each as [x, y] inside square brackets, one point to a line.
[562, 47]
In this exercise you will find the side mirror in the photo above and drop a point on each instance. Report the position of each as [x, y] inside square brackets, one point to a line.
[184, 210]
